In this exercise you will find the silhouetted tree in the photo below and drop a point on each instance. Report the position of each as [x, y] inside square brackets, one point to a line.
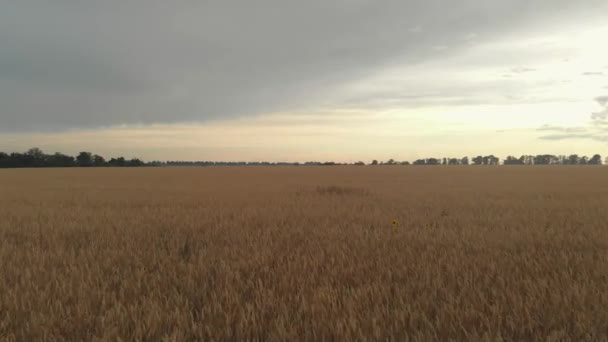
[573, 159]
[37, 157]
[490, 160]
[84, 159]
[99, 160]
[420, 162]
[478, 160]
[596, 160]
[510, 160]
[374, 162]
[120, 161]
[4, 160]
[523, 160]
[135, 162]
[464, 161]
[60, 160]
[359, 163]
[550, 159]
[23, 160]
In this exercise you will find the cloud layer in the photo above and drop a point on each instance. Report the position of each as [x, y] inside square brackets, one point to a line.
[71, 65]
[597, 129]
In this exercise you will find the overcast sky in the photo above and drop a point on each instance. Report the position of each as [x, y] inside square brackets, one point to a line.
[304, 80]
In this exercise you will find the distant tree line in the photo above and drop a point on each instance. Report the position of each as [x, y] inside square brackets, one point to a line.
[242, 163]
[543, 159]
[34, 157]
[548, 159]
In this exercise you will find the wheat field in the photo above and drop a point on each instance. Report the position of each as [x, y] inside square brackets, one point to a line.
[304, 253]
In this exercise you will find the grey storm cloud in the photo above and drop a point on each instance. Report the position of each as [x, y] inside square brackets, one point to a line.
[80, 64]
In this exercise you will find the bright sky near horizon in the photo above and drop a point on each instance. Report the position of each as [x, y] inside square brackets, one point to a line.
[319, 80]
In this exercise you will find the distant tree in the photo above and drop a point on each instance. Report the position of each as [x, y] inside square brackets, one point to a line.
[22, 160]
[551, 159]
[573, 159]
[120, 161]
[60, 160]
[522, 160]
[478, 160]
[529, 160]
[135, 162]
[541, 160]
[453, 161]
[405, 163]
[433, 161]
[4, 160]
[606, 161]
[464, 161]
[84, 159]
[510, 160]
[420, 162]
[99, 160]
[444, 161]
[390, 162]
[262, 163]
[359, 163]
[374, 162]
[596, 160]
[490, 160]
[584, 160]
[37, 157]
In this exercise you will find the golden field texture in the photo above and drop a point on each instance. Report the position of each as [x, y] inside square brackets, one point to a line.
[304, 253]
